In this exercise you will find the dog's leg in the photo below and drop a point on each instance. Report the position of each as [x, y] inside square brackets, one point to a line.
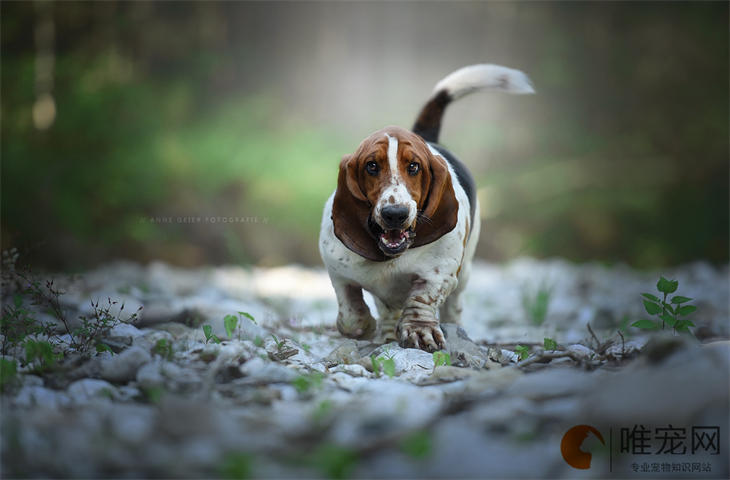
[353, 317]
[452, 307]
[388, 319]
[419, 327]
[450, 311]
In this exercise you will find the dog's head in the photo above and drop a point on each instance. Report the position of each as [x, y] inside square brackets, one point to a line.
[392, 193]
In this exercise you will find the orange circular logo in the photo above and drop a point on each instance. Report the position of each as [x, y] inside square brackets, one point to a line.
[570, 446]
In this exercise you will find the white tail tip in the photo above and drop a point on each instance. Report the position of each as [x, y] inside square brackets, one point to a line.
[484, 77]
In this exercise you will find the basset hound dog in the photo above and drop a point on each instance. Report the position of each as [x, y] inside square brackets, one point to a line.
[403, 222]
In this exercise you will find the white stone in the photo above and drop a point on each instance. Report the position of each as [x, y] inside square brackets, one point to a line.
[84, 391]
[37, 396]
[123, 366]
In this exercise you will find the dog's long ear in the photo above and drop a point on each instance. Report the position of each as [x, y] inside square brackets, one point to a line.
[440, 211]
[351, 210]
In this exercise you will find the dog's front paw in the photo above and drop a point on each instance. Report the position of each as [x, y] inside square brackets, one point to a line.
[419, 334]
[360, 327]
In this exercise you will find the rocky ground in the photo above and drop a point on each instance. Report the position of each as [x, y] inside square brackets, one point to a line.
[287, 397]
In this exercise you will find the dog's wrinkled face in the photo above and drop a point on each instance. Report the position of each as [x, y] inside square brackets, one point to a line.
[394, 173]
[391, 189]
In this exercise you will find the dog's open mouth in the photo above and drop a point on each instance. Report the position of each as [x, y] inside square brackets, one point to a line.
[392, 242]
[394, 239]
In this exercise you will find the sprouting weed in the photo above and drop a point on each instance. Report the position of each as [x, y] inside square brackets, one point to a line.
[522, 351]
[310, 381]
[163, 348]
[441, 358]
[550, 344]
[667, 310]
[209, 335]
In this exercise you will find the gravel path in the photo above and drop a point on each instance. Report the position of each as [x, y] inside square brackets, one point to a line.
[288, 397]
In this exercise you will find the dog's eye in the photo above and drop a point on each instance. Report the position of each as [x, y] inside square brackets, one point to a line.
[413, 168]
[372, 168]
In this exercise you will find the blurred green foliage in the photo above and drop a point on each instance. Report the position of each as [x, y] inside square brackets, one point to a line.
[160, 127]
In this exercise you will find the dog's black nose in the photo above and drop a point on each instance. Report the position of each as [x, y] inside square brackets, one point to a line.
[394, 216]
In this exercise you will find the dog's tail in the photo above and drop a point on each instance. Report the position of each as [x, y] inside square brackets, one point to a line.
[462, 82]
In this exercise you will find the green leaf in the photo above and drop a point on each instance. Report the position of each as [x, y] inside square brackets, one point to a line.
[550, 344]
[215, 339]
[684, 323]
[388, 367]
[278, 343]
[651, 297]
[249, 316]
[304, 383]
[646, 324]
[40, 351]
[651, 307]
[686, 309]
[258, 341]
[17, 300]
[677, 299]
[208, 332]
[163, 348]
[667, 286]
[441, 358]
[103, 347]
[417, 444]
[230, 322]
[376, 365]
[668, 319]
[522, 351]
[668, 307]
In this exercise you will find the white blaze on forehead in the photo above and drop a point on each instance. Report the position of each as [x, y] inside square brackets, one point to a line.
[396, 193]
[393, 157]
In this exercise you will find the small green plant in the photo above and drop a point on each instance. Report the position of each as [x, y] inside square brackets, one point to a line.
[383, 364]
[536, 304]
[388, 366]
[306, 347]
[258, 341]
[310, 381]
[103, 347]
[40, 355]
[17, 323]
[279, 344]
[417, 444]
[209, 335]
[163, 348]
[95, 326]
[550, 344]
[230, 322]
[441, 358]
[667, 310]
[522, 351]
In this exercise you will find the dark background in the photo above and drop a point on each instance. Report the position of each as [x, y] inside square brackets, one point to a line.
[128, 126]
